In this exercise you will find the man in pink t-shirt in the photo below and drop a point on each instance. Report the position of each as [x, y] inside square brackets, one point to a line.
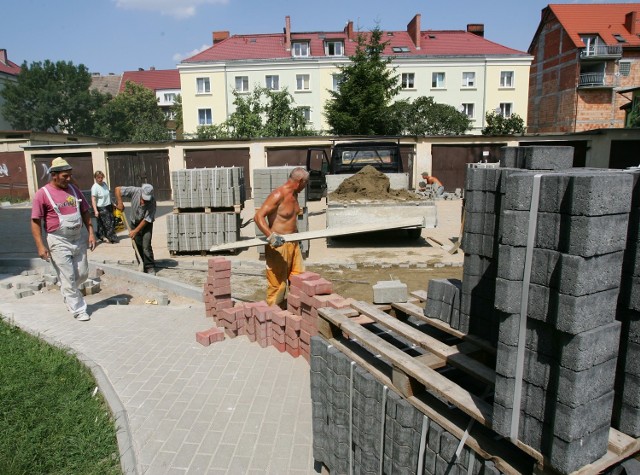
[61, 207]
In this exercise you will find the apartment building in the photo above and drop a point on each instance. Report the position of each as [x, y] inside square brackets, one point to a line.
[460, 68]
[587, 63]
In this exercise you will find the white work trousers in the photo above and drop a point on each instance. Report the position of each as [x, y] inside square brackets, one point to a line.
[69, 259]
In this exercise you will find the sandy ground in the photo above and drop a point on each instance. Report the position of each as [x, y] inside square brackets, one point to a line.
[353, 263]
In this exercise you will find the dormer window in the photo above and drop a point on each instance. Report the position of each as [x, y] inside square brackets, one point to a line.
[334, 48]
[300, 49]
[401, 49]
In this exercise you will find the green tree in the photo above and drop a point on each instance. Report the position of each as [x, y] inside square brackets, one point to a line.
[634, 115]
[367, 86]
[176, 108]
[132, 116]
[209, 132]
[54, 97]
[497, 124]
[424, 116]
[246, 120]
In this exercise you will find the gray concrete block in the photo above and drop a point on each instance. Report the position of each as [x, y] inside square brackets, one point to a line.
[509, 157]
[434, 436]
[390, 291]
[538, 367]
[479, 265]
[50, 279]
[22, 293]
[573, 423]
[448, 446]
[632, 358]
[628, 420]
[429, 461]
[590, 348]
[567, 457]
[579, 387]
[5, 285]
[630, 292]
[35, 286]
[475, 202]
[543, 157]
[501, 420]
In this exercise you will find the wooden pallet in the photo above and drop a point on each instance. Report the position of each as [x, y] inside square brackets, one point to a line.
[208, 210]
[421, 380]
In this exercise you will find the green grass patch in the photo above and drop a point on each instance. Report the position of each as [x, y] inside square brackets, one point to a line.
[50, 422]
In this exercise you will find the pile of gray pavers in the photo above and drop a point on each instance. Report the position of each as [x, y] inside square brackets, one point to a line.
[207, 202]
[265, 180]
[550, 280]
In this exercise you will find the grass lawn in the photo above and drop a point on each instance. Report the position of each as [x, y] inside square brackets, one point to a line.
[50, 422]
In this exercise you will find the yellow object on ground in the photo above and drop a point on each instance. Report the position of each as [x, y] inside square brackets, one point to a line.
[118, 222]
[282, 262]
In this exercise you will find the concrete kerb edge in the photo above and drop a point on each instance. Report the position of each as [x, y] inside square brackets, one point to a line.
[128, 460]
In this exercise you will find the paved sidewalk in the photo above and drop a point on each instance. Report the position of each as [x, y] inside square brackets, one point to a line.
[229, 408]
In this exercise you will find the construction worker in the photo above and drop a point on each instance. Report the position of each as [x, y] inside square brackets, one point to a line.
[276, 217]
[431, 180]
[143, 214]
[61, 208]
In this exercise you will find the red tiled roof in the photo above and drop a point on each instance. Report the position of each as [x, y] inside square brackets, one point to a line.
[9, 68]
[272, 46]
[604, 20]
[153, 79]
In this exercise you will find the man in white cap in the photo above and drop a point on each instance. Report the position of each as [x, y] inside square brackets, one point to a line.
[61, 207]
[143, 212]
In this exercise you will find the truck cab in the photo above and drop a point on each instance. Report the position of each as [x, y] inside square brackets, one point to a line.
[349, 158]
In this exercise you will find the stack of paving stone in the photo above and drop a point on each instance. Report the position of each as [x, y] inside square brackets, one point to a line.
[217, 288]
[265, 180]
[360, 424]
[207, 204]
[572, 337]
[627, 401]
[443, 303]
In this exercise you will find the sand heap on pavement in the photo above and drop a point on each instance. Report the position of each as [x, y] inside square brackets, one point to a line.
[370, 184]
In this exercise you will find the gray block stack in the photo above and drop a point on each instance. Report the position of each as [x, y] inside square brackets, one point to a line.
[443, 302]
[191, 232]
[572, 338]
[626, 415]
[208, 187]
[384, 428]
[265, 180]
[209, 201]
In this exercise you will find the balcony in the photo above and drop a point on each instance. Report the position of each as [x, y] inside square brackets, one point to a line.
[601, 51]
[595, 80]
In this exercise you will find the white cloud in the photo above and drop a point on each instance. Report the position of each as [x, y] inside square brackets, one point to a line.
[179, 56]
[175, 8]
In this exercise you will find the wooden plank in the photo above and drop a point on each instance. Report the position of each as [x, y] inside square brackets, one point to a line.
[418, 313]
[420, 295]
[429, 343]
[324, 233]
[620, 442]
[463, 399]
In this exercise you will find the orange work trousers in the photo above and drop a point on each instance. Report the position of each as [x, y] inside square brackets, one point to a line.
[282, 262]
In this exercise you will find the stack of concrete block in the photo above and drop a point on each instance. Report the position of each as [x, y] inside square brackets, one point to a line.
[265, 180]
[388, 435]
[443, 303]
[571, 341]
[190, 232]
[208, 187]
[627, 400]
[217, 288]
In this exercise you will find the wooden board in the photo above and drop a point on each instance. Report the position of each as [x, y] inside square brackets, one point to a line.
[325, 233]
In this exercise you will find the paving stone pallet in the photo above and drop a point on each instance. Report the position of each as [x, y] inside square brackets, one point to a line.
[440, 375]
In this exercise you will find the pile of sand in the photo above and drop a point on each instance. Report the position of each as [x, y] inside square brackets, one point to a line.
[369, 184]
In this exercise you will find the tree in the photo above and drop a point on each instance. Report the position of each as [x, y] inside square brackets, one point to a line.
[426, 117]
[497, 124]
[367, 86]
[132, 116]
[634, 115]
[209, 132]
[246, 120]
[53, 97]
[176, 109]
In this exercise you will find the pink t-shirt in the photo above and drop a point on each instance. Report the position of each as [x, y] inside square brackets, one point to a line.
[65, 200]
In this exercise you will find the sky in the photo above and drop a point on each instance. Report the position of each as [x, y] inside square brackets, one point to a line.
[113, 36]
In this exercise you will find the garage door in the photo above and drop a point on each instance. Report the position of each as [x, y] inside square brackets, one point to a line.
[13, 176]
[450, 161]
[135, 168]
[81, 163]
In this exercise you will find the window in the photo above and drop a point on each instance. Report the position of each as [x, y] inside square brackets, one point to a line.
[408, 80]
[468, 79]
[169, 97]
[593, 45]
[337, 79]
[169, 114]
[468, 110]
[242, 83]
[625, 68]
[300, 49]
[333, 48]
[203, 86]
[506, 109]
[401, 49]
[272, 82]
[302, 82]
[506, 79]
[204, 117]
[306, 112]
[619, 38]
[437, 80]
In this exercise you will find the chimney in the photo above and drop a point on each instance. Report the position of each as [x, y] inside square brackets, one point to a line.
[348, 30]
[152, 68]
[140, 69]
[287, 33]
[413, 28]
[476, 28]
[631, 21]
[3, 56]
[219, 36]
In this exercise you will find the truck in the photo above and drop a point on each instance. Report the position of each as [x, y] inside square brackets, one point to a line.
[326, 173]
